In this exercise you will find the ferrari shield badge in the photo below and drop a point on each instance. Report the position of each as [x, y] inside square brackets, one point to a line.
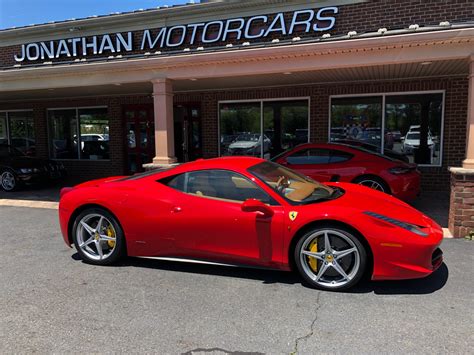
[293, 215]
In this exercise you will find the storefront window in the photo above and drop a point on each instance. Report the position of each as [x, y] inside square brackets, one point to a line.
[240, 130]
[285, 124]
[17, 129]
[22, 133]
[3, 128]
[94, 126]
[66, 142]
[357, 119]
[412, 126]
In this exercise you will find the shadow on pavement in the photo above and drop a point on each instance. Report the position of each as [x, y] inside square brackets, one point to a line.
[428, 285]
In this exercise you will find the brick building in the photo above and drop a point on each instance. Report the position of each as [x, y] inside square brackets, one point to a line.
[108, 94]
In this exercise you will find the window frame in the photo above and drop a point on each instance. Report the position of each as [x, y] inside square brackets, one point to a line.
[273, 201]
[384, 95]
[261, 101]
[76, 108]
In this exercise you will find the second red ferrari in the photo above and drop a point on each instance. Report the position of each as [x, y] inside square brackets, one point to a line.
[340, 162]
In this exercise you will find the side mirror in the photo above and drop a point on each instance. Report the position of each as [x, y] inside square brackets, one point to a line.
[254, 205]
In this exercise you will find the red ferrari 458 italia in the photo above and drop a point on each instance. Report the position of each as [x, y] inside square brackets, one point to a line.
[248, 211]
[341, 162]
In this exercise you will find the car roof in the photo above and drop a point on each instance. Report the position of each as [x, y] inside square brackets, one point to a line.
[235, 162]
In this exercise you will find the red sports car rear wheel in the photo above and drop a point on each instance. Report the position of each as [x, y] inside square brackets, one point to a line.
[98, 237]
[330, 258]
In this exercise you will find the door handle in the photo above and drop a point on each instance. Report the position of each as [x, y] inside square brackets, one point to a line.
[176, 209]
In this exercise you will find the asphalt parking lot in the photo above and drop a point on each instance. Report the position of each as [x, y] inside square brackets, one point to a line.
[51, 302]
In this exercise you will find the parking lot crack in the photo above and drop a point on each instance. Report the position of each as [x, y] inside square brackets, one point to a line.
[220, 351]
[311, 328]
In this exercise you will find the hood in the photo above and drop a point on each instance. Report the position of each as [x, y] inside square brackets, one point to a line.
[243, 144]
[369, 200]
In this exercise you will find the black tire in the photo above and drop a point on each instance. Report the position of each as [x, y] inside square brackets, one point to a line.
[119, 250]
[12, 179]
[353, 265]
[367, 181]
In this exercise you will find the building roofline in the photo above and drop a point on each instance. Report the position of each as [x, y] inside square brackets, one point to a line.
[414, 46]
[445, 32]
[167, 13]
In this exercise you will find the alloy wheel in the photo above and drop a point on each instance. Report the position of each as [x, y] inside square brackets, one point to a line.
[330, 258]
[8, 181]
[96, 236]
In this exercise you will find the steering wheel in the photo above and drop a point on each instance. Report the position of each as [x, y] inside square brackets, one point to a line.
[282, 183]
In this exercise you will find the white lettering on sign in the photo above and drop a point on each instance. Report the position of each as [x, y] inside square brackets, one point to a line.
[305, 21]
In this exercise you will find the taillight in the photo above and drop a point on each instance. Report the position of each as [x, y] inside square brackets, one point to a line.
[399, 170]
[64, 191]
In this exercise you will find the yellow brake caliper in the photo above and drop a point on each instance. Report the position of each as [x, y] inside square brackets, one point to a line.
[110, 234]
[313, 262]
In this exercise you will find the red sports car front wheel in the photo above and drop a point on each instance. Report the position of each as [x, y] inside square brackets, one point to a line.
[330, 258]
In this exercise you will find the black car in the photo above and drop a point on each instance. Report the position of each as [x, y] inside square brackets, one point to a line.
[373, 148]
[16, 169]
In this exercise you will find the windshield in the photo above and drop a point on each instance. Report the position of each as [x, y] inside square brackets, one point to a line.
[291, 185]
[413, 136]
[248, 137]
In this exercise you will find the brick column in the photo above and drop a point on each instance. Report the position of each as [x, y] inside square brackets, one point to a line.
[164, 124]
[461, 208]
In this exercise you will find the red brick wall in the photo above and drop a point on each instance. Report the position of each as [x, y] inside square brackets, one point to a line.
[361, 17]
[461, 211]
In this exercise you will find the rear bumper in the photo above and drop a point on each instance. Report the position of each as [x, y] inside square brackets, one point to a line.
[406, 187]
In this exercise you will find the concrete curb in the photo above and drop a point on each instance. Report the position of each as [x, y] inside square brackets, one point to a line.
[29, 203]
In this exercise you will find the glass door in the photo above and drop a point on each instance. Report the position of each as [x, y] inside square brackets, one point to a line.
[187, 132]
[140, 137]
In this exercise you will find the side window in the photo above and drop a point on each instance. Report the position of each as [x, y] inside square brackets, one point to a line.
[338, 156]
[309, 156]
[221, 184]
[176, 182]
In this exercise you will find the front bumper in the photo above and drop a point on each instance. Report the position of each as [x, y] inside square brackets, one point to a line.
[412, 258]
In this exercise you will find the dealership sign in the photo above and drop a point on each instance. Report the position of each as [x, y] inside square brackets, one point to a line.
[256, 27]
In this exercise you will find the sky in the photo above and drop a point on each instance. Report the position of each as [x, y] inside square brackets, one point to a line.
[26, 12]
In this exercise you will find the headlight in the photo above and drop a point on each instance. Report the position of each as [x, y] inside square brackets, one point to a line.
[407, 226]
